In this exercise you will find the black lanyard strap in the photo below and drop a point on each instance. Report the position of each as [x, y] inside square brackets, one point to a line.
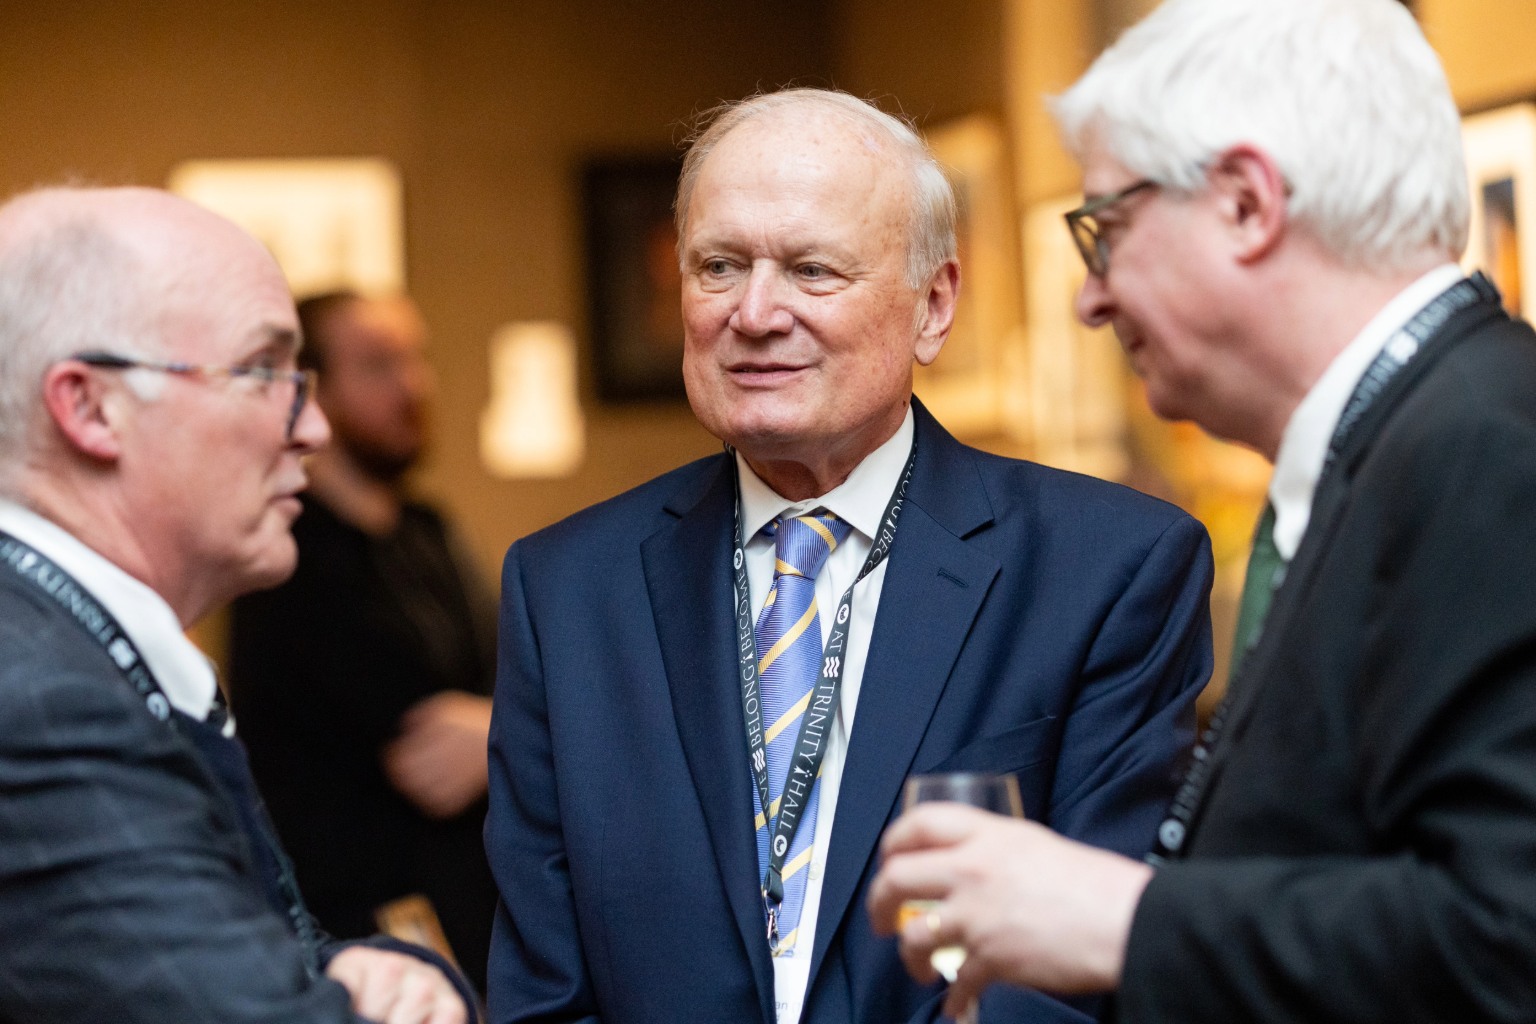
[228, 765]
[810, 750]
[1400, 348]
[1403, 346]
[37, 569]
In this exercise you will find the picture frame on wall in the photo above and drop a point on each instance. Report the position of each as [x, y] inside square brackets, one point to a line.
[1500, 148]
[330, 223]
[634, 285]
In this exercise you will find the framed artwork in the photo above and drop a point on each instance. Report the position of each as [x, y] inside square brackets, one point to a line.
[968, 386]
[330, 223]
[633, 282]
[1501, 168]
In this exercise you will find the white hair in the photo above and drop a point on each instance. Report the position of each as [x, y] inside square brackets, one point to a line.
[1345, 95]
[67, 284]
[931, 230]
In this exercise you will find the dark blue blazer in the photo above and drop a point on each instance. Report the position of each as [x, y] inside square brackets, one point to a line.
[1032, 621]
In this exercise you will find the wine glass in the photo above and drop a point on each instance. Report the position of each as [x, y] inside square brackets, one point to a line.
[996, 793]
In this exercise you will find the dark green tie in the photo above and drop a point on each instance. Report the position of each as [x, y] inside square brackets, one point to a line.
[1265, 570]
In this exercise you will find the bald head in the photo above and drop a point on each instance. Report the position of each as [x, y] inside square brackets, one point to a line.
[89, 268]
[179, 458]
[135, 236]
[806, 113]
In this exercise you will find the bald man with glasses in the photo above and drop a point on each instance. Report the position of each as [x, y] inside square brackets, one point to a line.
[152, 429]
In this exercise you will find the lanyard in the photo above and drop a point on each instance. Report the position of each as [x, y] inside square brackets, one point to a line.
[35, 568]
[1403, 346]
[1399, 349]
[805, 763]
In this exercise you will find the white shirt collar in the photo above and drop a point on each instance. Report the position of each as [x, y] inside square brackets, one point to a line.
[859, 500]
[183, 672]
[1304, 445]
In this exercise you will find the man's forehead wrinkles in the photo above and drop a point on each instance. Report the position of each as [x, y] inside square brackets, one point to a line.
[778, 246]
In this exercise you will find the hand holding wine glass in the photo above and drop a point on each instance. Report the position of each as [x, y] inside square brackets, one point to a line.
[1026, 906]
[996, 793]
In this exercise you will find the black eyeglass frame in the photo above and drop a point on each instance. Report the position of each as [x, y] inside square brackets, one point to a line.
[303, 381]
[1090, 244]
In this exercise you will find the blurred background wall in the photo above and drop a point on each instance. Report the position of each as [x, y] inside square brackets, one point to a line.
[491, 107]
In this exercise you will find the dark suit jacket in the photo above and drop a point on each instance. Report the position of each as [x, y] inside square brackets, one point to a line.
[1367, 848]
[130, 890]
[1032, 621]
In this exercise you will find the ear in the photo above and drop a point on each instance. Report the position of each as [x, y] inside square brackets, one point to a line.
[84, 408]
[938, 311]
[1253, 197]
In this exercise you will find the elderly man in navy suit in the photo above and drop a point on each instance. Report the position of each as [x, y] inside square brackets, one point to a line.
[152, 426]
[712, 687]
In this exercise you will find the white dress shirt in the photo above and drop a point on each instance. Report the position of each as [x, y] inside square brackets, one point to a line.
[860, 501]
[1304, 445]
[184, 673]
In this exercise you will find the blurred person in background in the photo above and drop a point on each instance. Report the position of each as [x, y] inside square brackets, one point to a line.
[362, 684]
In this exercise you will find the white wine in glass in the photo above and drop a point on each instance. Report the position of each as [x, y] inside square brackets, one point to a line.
[996, 793]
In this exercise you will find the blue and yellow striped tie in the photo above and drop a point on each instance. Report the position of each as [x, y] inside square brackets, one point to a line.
[788, 637]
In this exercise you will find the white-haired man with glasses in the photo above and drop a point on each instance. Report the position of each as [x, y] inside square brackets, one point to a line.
[1276, 200]
[152, 427]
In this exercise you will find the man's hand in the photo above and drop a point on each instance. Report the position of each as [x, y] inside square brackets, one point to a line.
[438, 761]
[393, 988]
[1030, 907]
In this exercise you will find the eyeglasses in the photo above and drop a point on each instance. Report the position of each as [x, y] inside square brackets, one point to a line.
[1085, 230]
[303, 381]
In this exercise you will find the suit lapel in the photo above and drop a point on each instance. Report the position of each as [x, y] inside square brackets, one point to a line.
[1329, 505]
[934, 586]
[687, 564]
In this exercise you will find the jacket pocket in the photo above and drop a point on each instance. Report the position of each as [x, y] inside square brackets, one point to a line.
[1012, 750]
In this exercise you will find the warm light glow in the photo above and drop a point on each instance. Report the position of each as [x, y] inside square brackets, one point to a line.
[1500, 149]
[533, 425]
[330, 223]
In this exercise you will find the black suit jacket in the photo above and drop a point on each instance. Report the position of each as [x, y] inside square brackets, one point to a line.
[1366, 850]
[1030, 621]
[130, 888]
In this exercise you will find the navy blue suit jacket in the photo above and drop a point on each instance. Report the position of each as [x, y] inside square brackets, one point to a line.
[1032, 621]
